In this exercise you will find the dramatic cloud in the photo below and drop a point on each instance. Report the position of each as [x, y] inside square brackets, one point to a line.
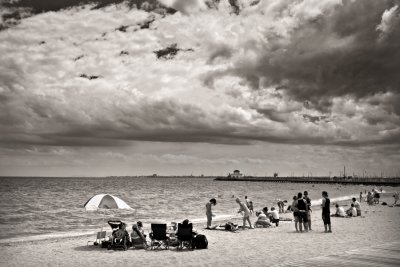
[299, 72]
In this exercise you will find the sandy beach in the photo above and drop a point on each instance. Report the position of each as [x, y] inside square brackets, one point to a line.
[250, 247]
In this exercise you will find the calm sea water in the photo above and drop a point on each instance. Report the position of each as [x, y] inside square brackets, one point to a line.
[51, 206]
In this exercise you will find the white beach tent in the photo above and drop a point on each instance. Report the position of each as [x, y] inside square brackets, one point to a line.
[105, 201]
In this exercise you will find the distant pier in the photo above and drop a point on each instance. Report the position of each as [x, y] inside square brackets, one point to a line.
[317, 180]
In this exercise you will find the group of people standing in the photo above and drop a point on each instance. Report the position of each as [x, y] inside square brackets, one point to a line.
[301, 207]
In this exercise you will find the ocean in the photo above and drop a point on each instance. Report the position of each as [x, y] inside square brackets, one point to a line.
[39, 208]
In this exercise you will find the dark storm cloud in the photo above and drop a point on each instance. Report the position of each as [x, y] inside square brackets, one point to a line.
[342, 52]
[39, 6]
[15, 10]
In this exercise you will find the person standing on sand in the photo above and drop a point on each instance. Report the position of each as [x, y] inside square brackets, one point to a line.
[251, 208]
[295, 212]
[357, 206]
[326, 212]
[370, 198]
[246, 213]
[302, 212]
[281, 206]
[209, 213]
[361, 196]
[308, 201]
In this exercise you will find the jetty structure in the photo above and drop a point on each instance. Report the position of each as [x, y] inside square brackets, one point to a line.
[237, 176]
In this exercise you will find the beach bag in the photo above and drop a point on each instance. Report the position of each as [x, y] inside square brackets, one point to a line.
[200, 242]
[105, 244]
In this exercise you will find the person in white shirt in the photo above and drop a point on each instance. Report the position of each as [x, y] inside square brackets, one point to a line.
[275, 216]
[262, 219]
[352, 211]
[339, 211]
[357, 205]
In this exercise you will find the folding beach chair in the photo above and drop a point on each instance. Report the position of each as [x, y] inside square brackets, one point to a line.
[185, 236]
[101, 236]
[159, 237]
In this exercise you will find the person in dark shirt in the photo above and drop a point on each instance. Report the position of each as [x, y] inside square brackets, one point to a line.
[302, 208]
[326, 212]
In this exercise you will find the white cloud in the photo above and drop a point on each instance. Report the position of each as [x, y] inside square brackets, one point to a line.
[390, 20]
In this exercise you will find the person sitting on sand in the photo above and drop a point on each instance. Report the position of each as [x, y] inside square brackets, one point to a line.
[339, 212]
[246, 213]
[357, 205]
[262, 219]
[138, 238]
[376, 197]
[352, 211]
[275, 216]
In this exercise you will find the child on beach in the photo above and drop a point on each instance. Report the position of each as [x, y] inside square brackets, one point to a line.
[251, 207]
[209, 213]
[357, 206]
[326, 212]
[246, 213]
[274, 216]
[281, 206]
[352, 211]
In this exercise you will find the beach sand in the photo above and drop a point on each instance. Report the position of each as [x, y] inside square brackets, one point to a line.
[251, 247]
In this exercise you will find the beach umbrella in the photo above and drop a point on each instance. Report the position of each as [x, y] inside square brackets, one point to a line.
[105, 201]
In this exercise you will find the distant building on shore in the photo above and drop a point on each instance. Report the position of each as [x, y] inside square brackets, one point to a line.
[235, 174]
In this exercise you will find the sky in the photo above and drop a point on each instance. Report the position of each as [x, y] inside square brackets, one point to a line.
[181, 87]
